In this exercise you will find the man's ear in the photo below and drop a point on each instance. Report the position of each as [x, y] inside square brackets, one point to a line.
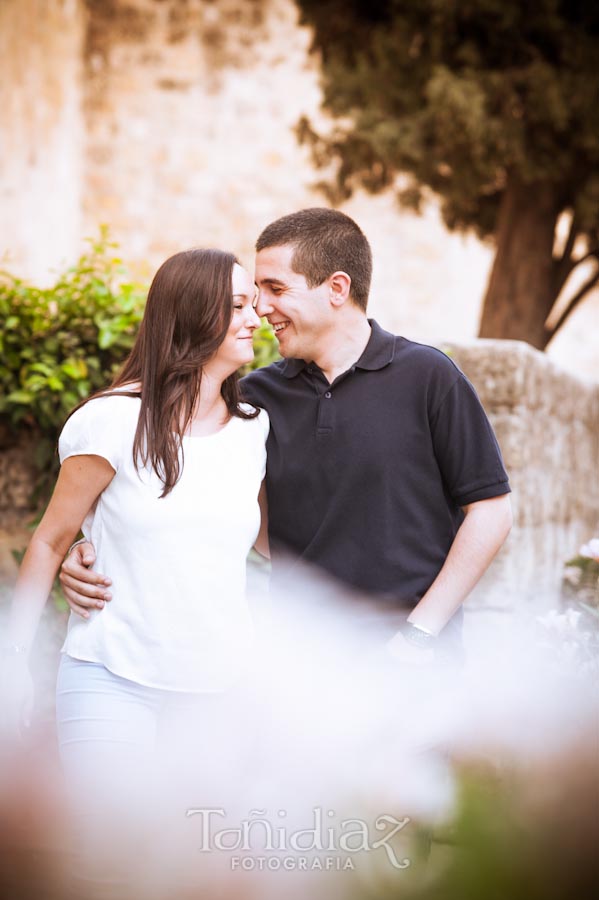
[339, 288]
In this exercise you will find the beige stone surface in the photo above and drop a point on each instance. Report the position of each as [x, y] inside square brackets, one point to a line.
[190, 109]
[41, 134]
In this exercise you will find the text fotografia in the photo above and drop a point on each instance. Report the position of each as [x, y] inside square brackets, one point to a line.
[258, 833]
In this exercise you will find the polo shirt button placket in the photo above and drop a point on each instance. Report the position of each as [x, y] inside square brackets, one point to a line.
[326, 413]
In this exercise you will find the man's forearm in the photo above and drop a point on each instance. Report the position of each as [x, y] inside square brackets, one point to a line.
[480, 536]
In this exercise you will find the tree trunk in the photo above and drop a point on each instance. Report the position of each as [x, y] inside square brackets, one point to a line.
[521, 288]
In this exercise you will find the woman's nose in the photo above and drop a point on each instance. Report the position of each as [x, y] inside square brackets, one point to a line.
[253, 320]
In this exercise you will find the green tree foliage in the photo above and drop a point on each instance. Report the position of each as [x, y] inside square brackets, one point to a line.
[491, 104]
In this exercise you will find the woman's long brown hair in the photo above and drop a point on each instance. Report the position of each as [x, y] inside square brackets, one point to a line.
[187, 315]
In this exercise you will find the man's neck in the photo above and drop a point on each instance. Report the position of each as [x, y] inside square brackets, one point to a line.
[345, 348]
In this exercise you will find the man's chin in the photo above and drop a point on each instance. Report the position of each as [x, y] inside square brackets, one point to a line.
[286, 349]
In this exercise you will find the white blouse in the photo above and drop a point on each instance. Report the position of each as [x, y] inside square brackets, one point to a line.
[178, 618]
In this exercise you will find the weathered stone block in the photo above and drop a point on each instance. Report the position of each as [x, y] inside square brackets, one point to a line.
[547, 425]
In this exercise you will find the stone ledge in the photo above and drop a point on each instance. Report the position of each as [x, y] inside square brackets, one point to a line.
[509, 374]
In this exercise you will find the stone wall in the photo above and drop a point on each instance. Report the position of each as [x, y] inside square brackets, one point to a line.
[547, 424]
[18, 475]
[41, 133]
[189, 110]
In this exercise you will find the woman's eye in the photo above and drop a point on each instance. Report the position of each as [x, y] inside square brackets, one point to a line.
[238, 306]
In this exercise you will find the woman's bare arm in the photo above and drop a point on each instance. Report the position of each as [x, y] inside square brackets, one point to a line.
[80, 482]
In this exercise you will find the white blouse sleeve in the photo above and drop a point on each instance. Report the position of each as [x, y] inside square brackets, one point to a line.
[265, 422]
[96, 429]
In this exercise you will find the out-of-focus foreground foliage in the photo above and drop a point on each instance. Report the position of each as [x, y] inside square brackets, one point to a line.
[532, 836]
[528, 835]
[494, 106]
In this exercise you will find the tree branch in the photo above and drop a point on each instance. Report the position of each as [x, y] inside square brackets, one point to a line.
[593, 252]
[575, 300]
[571, 239]
[565, 264]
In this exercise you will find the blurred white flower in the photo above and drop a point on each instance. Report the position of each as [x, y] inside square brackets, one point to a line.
[563, 623]
[572, 575]
[590, 550]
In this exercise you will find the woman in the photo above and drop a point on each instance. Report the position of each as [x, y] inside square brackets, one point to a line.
[164, 468]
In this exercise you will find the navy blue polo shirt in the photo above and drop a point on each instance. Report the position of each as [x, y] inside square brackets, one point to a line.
[366, 476]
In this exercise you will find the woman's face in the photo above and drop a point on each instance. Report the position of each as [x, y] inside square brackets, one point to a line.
[237, 347]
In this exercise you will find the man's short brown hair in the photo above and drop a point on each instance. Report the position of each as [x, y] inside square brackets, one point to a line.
[324, 241]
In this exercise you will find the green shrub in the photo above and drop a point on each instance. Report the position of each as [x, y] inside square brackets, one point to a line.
[58, 344]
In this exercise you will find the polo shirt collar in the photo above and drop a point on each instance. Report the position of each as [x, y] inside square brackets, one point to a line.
[378, 353]
[379, 350]
[292, 367]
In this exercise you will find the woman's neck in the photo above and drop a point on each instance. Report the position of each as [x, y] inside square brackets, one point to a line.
[210, 412]
[211, 409]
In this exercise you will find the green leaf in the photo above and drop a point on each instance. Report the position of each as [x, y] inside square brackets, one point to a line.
[44, 368]
[75, 368]
[21, 397]
[105, 338]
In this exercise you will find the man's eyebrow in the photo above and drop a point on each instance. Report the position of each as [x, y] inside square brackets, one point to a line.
[271, 281]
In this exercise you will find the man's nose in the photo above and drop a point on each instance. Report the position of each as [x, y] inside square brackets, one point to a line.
[263, 306]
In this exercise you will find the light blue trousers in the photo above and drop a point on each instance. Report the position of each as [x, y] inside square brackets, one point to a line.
[135, 758]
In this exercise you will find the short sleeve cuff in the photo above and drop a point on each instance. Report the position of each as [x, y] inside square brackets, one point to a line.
[482, 493]
[92, 431]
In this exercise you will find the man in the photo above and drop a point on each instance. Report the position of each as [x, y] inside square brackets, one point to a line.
[383, 469]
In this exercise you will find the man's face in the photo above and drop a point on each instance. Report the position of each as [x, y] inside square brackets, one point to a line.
[300, 316]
